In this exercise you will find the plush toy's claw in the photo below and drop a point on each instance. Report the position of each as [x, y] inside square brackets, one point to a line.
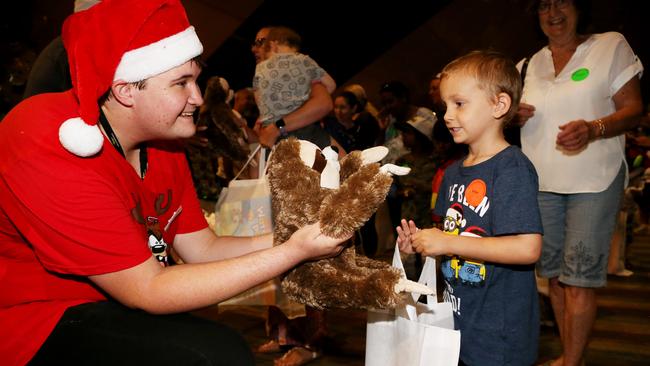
[394, 169]
[373, 154]
[404, 285]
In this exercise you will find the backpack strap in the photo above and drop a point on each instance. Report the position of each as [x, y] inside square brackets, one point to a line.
[524, 68]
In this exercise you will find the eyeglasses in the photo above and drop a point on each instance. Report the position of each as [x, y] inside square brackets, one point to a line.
[545, 6]
[259, 42]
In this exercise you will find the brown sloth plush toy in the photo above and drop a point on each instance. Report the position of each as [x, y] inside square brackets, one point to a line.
[308, 186]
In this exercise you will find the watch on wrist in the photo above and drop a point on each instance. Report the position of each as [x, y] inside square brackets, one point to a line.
[280, 124]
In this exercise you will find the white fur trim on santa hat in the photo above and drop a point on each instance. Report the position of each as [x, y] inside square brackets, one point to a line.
[80, 138]
[158, 57]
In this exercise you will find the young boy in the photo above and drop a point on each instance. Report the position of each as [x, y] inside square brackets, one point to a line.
[283, 79]
[492, 230]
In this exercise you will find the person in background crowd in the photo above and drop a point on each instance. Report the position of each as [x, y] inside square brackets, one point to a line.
[362, 97]
[246, 107]
[283, 82]
[50, 72]
[396, 108]
[437, 105]
[354, 129]
[216, 162]
[581, 93]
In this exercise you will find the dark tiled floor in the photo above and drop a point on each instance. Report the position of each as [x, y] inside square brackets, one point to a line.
[621, 334]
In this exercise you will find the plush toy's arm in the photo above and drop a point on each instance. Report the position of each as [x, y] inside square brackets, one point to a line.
[351, 206]
[350, 164]
[295, 190]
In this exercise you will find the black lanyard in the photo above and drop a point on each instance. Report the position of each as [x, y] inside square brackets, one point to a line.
[116, 143]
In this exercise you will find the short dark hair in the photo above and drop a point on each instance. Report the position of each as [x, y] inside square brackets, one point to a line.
[351, 100]
[494, 73]
[397, 88]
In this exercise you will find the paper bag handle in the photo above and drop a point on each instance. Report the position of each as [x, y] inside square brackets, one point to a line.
[250, 158]
[428, 277]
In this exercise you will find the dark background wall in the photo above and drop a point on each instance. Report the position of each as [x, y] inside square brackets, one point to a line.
[354, 41]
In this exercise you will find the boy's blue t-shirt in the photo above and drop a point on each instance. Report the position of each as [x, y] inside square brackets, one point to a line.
[495, 305]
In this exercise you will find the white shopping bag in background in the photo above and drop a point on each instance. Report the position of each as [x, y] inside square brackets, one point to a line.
[244, 208]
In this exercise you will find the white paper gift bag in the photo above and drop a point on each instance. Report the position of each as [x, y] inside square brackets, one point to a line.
[414, 333]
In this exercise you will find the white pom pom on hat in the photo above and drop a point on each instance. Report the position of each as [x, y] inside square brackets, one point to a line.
[141, 39]
[80, 138]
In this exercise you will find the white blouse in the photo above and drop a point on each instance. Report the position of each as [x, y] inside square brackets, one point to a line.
[584, 89]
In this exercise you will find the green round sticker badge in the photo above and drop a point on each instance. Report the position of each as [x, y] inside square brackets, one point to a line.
[580, 74]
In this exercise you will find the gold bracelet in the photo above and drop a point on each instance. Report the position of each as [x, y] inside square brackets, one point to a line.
[601, 127]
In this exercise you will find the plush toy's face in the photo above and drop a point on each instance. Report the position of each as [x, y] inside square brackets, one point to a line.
[325, 161]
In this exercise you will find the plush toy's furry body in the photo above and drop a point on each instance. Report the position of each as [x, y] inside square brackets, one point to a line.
[347, 280]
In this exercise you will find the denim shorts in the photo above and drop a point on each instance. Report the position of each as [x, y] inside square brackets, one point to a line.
[578, 229]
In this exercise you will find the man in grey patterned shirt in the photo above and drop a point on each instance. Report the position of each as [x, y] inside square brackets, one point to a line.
[284, 81]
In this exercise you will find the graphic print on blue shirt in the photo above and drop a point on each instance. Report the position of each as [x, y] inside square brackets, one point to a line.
[456, 268]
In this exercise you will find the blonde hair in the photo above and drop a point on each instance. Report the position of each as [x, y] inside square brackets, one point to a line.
[360, 93]
[494, 73]
[285, 36]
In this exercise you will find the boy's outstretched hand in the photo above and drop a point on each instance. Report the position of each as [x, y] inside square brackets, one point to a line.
[430, 242]
[404, 233]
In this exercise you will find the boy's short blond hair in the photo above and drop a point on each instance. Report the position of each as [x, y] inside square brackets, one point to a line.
[494, 72]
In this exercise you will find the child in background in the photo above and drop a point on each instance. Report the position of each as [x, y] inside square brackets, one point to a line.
[282, 82]
[492, 229]
[415, 188]
[446, 152]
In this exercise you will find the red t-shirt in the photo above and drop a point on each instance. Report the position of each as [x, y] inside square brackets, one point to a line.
[63, 218]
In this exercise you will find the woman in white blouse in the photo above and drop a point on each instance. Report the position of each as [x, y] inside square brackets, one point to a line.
[581, 93]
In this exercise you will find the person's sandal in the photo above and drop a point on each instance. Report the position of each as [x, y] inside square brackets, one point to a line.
[271, 346]
[297, 356]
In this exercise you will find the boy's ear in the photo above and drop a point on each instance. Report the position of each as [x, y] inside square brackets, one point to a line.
[123, 92]
[502, 105]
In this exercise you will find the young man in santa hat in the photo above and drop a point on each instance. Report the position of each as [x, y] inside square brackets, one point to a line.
[86, 191]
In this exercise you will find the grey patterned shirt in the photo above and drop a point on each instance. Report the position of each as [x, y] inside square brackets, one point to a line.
[283, 83]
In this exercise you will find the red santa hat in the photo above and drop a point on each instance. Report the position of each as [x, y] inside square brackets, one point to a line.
[119, 40]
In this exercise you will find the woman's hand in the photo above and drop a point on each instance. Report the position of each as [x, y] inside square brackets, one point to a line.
[573, 136]
[524, 113]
